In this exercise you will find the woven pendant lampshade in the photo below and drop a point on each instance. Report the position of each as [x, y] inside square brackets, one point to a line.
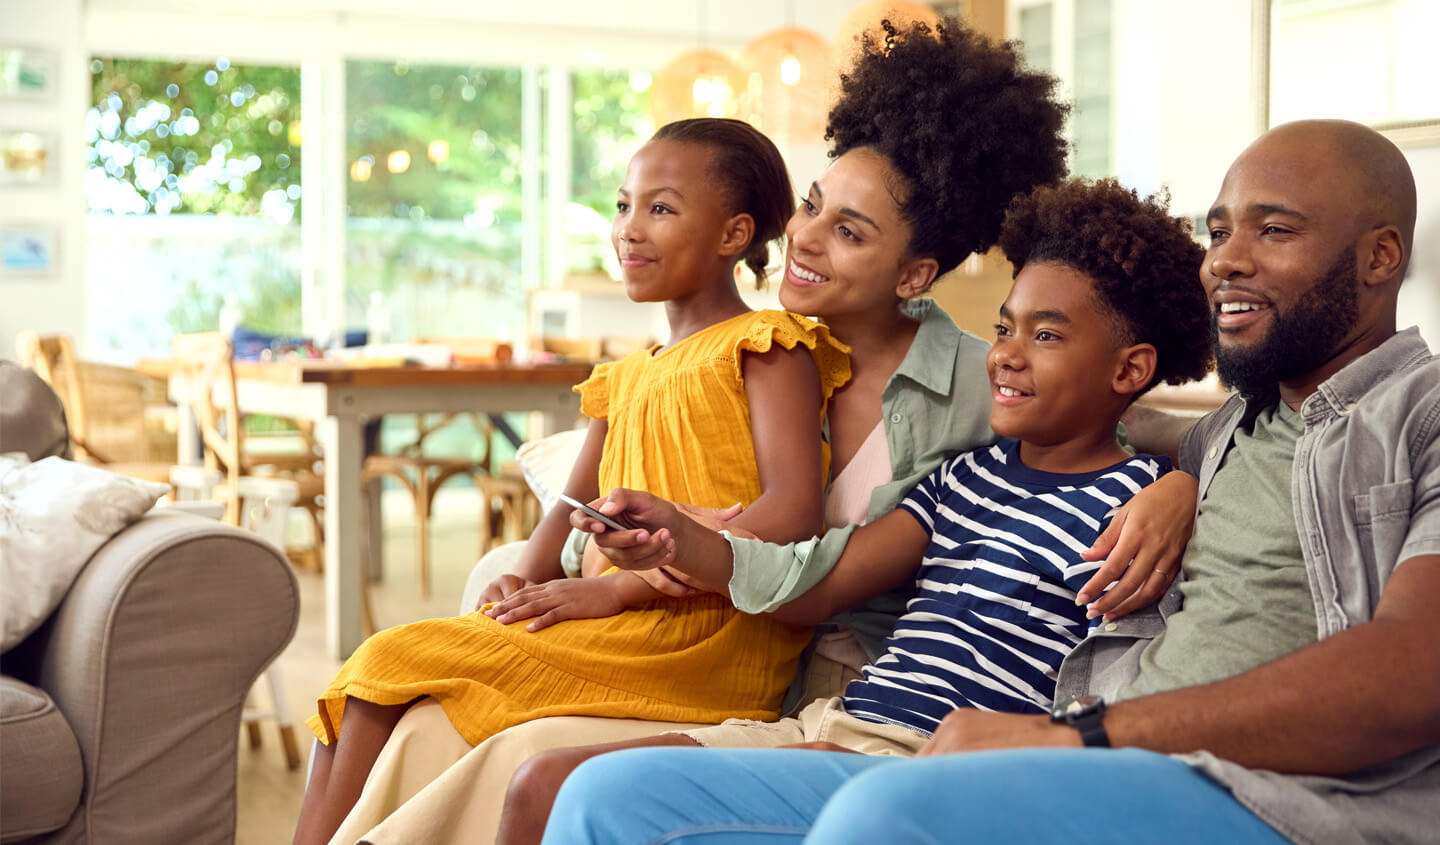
[696, 83]
[789, 74]
[867, 17]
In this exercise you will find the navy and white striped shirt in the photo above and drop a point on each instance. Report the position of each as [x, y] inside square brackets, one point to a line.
[995, 609]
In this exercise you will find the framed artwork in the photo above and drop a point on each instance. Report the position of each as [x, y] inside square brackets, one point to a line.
[27, 157]
[27, 73]
[29, 250]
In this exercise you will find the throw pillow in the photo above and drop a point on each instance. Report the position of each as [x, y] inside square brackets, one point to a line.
[54, 514]
[546, 464]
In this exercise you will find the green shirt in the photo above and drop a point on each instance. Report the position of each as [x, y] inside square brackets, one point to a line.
[1246, 591]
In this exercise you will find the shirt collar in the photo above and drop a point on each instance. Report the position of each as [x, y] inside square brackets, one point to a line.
[930, 362]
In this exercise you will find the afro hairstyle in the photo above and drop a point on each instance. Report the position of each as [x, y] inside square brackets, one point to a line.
[959, 119]
[1144, 265]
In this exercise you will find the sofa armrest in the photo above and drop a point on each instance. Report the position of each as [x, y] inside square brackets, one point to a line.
[150, 657]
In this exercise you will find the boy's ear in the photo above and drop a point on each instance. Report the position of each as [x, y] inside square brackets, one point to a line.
[916, 276]
[1137, 368]
[738, 232]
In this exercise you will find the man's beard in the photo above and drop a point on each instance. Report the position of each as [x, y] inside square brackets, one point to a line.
[1300, 339]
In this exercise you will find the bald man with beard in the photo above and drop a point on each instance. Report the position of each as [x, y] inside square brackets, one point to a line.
[1287, 686]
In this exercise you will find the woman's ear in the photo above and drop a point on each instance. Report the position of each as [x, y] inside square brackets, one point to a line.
[739, 231]
[1136, 369]
[916, 277]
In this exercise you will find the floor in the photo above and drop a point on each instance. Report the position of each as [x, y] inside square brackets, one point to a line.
[269, 795]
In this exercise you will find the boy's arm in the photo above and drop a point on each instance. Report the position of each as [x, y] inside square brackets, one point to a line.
[879, 557]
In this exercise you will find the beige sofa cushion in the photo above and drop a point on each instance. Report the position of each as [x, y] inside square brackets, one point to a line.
[42, 776]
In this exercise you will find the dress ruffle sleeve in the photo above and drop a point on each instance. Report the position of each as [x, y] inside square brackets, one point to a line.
[832, 358]
[595, 392]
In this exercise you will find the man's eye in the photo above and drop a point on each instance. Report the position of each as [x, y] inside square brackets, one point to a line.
[1274, 230]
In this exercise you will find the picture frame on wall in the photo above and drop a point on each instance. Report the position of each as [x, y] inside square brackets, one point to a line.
[27, 73]
[29, 250]
[28, 157]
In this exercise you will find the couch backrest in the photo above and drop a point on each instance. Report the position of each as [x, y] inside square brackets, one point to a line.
[32, 420]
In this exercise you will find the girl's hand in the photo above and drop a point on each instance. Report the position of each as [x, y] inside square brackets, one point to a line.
[501, 587]
[558, 600]
[1142, 547]
[647, 546]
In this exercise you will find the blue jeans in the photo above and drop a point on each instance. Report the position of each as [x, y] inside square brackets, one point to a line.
[758, 797]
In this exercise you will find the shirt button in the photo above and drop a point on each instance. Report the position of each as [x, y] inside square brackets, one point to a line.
[1214, 450]
[894, 418]
[1110, 627]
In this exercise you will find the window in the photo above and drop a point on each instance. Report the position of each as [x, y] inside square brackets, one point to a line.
[193, 188]
[1074, 40]
[612, 120]
[434, 197]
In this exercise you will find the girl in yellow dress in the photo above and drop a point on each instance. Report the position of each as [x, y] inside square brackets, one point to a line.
[727, 412]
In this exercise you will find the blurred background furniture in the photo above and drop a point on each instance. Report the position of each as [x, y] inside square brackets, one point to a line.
[340, 397]
[148, 659]
[422, 476]
[118, 418]
[206, 360]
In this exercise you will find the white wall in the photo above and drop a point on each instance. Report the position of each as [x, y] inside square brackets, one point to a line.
[48, 304]
[1182, 96]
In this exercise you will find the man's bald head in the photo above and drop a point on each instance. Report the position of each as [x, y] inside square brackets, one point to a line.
[1362, 171]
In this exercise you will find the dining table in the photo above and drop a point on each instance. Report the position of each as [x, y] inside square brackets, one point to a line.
[340, 396]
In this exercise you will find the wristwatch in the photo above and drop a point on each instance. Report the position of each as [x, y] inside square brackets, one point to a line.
[1086, 714]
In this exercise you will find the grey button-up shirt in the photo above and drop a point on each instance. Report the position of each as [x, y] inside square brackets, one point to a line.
[1366, 484]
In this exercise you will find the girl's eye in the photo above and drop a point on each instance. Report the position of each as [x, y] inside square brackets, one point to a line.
[622, 207]
[657, 208]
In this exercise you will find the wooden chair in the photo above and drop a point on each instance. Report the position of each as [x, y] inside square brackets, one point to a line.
[207, 361]
[502, 508]
[106, 408]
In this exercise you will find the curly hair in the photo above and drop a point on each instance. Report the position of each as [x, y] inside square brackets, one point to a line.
[1144, 264]
[750, 170]
[960, 121]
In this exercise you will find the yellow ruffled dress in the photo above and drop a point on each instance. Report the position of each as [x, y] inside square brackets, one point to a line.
[679, 427]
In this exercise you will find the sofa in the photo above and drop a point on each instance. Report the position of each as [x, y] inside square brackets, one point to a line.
[120, 714]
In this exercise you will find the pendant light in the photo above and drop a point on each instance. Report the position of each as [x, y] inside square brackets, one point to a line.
[789, 79]
[697, 83]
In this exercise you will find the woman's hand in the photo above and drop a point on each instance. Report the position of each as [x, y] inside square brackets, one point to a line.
[502, 587]
[1142, 547]
[558, 600]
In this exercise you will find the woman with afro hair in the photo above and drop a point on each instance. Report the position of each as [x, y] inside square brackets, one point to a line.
[935, 131]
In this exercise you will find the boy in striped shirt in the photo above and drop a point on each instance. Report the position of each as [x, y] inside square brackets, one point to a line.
[1105, 305]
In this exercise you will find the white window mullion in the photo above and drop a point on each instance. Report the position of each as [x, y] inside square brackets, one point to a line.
[323, 173]
[559, 126]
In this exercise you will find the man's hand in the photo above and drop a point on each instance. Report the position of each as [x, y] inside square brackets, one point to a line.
[966, 729]
[558, 600]
[1142, 547]
[500, 588]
